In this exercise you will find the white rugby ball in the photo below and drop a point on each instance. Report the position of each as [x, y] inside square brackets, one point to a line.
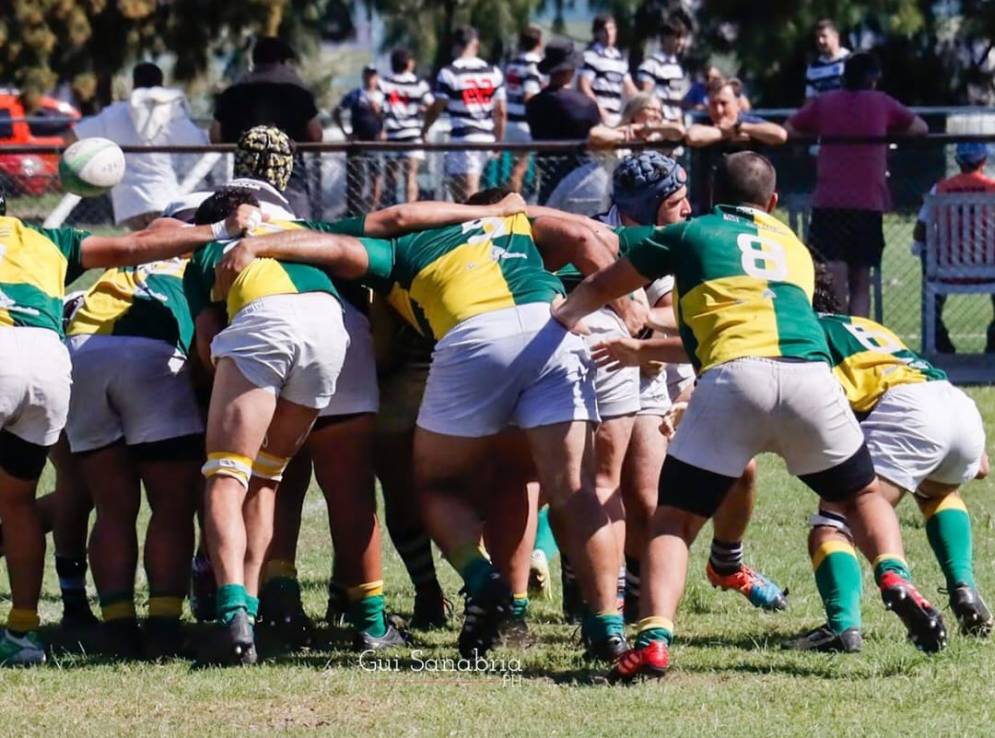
[91, 167]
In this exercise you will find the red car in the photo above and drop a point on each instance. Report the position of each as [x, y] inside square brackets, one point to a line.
[32, 174]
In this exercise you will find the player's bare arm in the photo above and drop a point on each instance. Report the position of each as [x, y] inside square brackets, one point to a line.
[417, 216]
[621, 278]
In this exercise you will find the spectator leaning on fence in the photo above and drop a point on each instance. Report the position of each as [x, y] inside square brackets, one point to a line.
[522, 82]
[971, 157]
[272, 93]
[729, 124]
[406, 98]
[604, 76]
[560, 113]
[152, 115]
[826, 72]
[364, 180]
[851, 190]
[472, 93]
[663, 73]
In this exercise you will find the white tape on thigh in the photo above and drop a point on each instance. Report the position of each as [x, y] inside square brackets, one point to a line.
[820, 520]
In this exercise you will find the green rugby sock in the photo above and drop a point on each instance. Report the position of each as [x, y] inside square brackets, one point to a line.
[837, 576]
[601, 625]
[654, 629]
[948, 528]
[367, 612]
[473, 567]
[891, 563]
[252, 607]
[519, 606]
[230, 599]
[545, 540]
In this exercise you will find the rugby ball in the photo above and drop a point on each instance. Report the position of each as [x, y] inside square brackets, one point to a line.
[91, 167]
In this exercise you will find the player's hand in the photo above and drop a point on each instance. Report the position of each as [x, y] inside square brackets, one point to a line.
[616, 353]
[233, 263]
[668, 426]
[244, 219]
[633, 311]
[651, 368]
[510, 204]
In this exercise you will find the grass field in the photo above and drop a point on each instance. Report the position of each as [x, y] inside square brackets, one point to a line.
[730, 675]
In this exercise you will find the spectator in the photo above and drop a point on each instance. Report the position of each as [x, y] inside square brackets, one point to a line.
[272, 93]
[697, 97]
[729, 124]
[523, 82]
[642, 120]
[472, 93]
[851, 190]
[406, 98]
[605, 75]
[152, 115]
[826, 72]
[663, 72]
[971, 158]
[364, 180]
[559, 113]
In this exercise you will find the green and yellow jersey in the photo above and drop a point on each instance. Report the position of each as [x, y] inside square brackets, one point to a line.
[145, 301]
[744, 285]
[36, 264]
[868, 360]
[440, 277]
[262, 278]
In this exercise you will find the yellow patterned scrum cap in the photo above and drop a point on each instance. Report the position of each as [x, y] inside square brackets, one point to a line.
[266, 153]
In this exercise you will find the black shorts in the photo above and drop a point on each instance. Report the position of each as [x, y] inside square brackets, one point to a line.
[842, 234]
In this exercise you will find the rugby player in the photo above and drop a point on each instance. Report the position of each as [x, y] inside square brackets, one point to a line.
[35, 265]
[651, 189]
[134, 420]
[480, 289]
[926, 438]
[745, 284]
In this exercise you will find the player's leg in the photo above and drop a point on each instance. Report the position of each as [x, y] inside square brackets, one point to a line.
[726, 568]
[70, 516]
[170, 471]
[859, 280]
[110, 473]
[411, 177]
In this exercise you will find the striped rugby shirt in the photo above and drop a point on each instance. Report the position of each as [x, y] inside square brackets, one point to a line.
[470, 88]
[824, 74]
[405, 99]
[606, 69]
[521, 77]
[744, 285]
[670, 82]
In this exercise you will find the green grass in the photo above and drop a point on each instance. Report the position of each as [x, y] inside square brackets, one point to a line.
[730, 676]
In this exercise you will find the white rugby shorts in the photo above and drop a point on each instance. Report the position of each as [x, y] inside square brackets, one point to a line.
[926, 431]
[356, 388]
[466, 162]
[515, 366]
[617, 389]
[34, 384]
[743, 407]
[128, 387]
[292, 345]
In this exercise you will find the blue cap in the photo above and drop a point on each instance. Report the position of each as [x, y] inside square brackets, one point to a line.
[971, 152]
[644, 180]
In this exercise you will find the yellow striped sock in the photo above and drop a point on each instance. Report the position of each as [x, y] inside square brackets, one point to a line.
[163, 606]
[362, 591]
[520, 596]
[279, 569]
[21, 620]
[117, 611]
[949, 502]
[830, 547]
[893, 557]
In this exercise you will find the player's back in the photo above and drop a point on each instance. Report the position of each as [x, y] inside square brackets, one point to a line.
[744, 286]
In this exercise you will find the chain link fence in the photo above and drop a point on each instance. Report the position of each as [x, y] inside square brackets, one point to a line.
[338, 180]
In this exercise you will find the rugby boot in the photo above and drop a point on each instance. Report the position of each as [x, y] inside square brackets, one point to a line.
[483, 616]
[971, 611]
[651, 661]
[922, 621]
[281, 613]
[824, 640]
[432, 609]
[230, 645]
[21, 650]
[393, 637]
[754, 586]
[203, 589]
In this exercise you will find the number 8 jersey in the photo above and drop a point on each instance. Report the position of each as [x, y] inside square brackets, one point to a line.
[744, 285]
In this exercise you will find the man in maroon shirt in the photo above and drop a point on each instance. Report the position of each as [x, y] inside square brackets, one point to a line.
[851, 191]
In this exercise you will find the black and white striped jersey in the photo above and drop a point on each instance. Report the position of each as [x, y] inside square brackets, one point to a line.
[670, 82]
[606, 69]
[405, 99]
[824, 74]
[470, 88]
[521, 78]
